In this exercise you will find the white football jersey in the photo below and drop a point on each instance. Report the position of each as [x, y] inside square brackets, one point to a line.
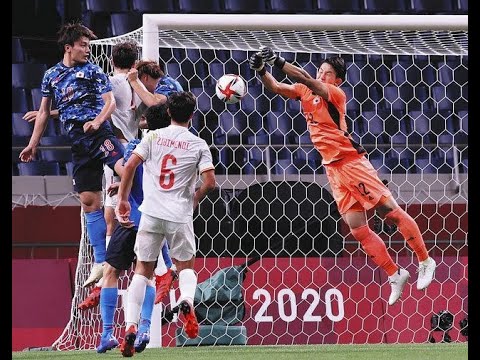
[172, 158]
[124, 115]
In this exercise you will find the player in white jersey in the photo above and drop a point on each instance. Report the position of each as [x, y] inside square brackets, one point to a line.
[171, 157]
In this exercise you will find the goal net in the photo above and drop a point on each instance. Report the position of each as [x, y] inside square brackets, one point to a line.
[303, 277]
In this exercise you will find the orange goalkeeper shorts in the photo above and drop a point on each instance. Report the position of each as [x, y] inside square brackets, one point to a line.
[355, 181]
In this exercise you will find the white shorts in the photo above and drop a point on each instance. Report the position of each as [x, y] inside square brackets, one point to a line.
[153, 231]
[110, 201]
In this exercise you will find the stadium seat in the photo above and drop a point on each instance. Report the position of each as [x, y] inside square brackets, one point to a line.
[338, 6]
[36, 98]
[27, 75]
[153, 6]
[107, 6]
[292, 6]
[433, 7]
[200, 7]
[100, 21]
[18, 54]
[245, 6]
[20, 101]
[387, 6]
[21, 127]
[123, 23]
[60, 155]
[38, 168]
[69, 168]
[463, 116]
[463, 6]
[235, 127]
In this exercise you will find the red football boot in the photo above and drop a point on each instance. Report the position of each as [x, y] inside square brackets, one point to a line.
[163, 284]
[92, 300]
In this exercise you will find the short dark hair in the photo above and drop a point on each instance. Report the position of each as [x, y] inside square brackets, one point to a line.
[150, 68]
[71, 32]
[181, 106]
[125, 54]
[338, 65]
[157, 116]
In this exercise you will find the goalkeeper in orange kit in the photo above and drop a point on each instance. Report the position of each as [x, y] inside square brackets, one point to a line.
[354, 182]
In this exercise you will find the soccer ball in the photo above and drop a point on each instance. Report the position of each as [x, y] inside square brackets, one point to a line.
[230, 88]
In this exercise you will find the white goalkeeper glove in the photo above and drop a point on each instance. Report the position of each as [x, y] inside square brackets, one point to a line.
[272, 58]
[256, 63]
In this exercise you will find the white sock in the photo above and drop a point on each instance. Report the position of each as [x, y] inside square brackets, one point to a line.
[136, 295]
[107, 240]
[187, 282]
[161, 267]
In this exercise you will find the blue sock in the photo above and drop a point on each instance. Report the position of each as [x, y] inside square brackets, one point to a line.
[166, 256]
[147, 309]
[97, 230]
[108, 302]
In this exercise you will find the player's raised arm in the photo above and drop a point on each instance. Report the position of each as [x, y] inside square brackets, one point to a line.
[256, 63]
[43, 113]
[294, 72]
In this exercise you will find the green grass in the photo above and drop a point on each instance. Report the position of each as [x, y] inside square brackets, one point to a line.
[440, 351]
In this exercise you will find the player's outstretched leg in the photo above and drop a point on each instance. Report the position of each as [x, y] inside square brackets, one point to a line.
[163, 284]
[190, 323]
[92, 300]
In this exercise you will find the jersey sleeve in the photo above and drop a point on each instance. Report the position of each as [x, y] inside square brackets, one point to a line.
[300, 90]
[205, 163]
[45, 86]
[144, 147]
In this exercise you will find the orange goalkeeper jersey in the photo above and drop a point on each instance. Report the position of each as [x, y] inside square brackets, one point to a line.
[326, 123]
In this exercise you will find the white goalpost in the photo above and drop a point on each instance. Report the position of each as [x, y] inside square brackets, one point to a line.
[307, 281]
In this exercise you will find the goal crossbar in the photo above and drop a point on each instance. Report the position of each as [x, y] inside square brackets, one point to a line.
[361, 34]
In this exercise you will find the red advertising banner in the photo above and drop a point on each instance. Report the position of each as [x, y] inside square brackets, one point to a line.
[340, 301]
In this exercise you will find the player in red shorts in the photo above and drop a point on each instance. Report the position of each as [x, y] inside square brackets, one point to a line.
[354, 182]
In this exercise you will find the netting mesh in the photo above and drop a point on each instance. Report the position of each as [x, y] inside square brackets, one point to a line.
[312, 282]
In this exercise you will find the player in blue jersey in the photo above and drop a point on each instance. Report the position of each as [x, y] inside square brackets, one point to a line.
[82, 93]
[120, 254]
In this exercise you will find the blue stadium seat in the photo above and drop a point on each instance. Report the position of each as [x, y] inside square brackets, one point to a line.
[279, 126]
[123, 23]
[463, 116]
[200, 7]
[100, 21]
[203, 101]
[18, 54]
[463, 6]
[22, 127]
[387, 6]
[440, 98]
[292, 6]
[60, 155]
[107, 6]
[235, 127]
[36, 98]
[27, 75]
[338, 6]
[38, 168]
[245, 6]
[153, 6]
[69, 168]
[433, 6]
[20, 100]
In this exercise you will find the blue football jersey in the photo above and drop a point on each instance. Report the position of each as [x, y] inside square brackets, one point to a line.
[76, 91]
[136, 194]
[167, 85]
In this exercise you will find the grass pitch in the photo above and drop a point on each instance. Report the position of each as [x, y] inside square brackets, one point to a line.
[439, 351]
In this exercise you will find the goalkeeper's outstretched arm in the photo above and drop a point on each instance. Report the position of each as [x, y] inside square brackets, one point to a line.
[294, 72]
[256, 63]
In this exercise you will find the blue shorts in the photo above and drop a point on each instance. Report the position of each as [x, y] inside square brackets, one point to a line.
[89, 153]
[120, 252]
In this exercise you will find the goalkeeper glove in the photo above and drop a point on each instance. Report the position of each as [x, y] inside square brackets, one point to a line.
[256, 63]
[270, 57]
